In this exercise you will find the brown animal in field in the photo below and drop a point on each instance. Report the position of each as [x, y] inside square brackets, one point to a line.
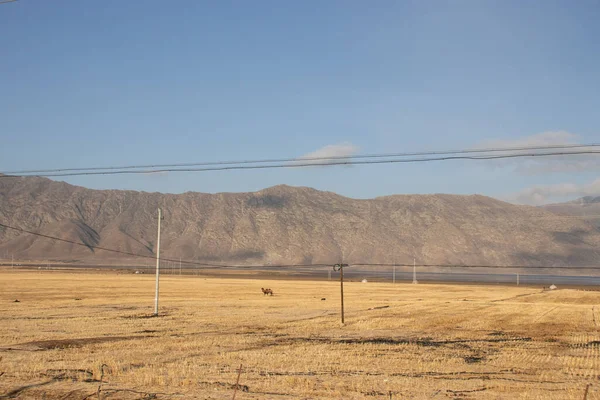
[267, 291]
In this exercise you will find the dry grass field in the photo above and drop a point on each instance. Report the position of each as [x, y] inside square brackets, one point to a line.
[89, 336]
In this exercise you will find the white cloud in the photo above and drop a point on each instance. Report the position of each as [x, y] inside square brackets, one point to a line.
[339, 151]
[544, 194]
[545, 165]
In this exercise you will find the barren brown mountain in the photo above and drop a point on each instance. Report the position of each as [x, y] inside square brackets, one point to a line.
[287, 225]
[586, 208]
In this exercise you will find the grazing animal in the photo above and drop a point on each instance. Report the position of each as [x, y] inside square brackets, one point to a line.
[267, 291]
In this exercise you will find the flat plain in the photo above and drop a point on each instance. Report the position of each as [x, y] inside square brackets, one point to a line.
[91, 336]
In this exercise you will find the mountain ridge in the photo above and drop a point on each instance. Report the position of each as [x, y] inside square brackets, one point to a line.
[585, 208]
[287, 225]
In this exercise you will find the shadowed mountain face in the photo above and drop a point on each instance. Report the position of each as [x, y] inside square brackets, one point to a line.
[586, 208]
[286, 225]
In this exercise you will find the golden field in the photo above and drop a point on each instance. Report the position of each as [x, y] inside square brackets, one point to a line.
[90, 336]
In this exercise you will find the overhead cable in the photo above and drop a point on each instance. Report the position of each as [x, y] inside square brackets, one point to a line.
[300, 164]
[305, 160]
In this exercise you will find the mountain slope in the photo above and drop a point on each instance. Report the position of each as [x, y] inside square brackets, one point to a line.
[284, 225]
[586, 208]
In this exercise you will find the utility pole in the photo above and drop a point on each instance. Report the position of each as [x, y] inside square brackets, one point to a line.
[179, 265]
[157, 263]
[517, 279]
[340, 267]
[415, 271]
[394, 273]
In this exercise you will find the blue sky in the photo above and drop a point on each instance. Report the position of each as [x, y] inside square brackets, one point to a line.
[115, 82]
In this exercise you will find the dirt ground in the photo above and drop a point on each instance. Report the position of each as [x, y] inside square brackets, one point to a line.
[92, 336]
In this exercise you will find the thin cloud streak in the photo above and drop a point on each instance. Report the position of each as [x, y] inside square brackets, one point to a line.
[339, 151]
[561, 164]
[544, 194]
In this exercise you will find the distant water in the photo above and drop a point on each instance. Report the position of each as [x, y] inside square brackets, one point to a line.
[353, 273]
[544, 280]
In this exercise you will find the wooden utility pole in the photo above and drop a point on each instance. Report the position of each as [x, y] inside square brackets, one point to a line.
[342, 289]
[340, 267]
[157, 263]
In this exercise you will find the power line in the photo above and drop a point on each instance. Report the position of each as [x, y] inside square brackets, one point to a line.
[307, 159]
[564, 216]
[148, 256]
[298, 164]
[544, 217]
[296, 265]
[79, 243]
[471, 266]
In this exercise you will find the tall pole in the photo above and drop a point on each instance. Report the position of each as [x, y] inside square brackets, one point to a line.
[394, 273]
[340, 267]
[415, 271]
[179, 265]
[342, 289]
[157, 263]
[517, 279]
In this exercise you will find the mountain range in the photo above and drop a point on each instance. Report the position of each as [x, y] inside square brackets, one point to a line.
[586, 208]
[290, 225]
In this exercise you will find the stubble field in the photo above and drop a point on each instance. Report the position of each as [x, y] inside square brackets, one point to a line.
[90, 336]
